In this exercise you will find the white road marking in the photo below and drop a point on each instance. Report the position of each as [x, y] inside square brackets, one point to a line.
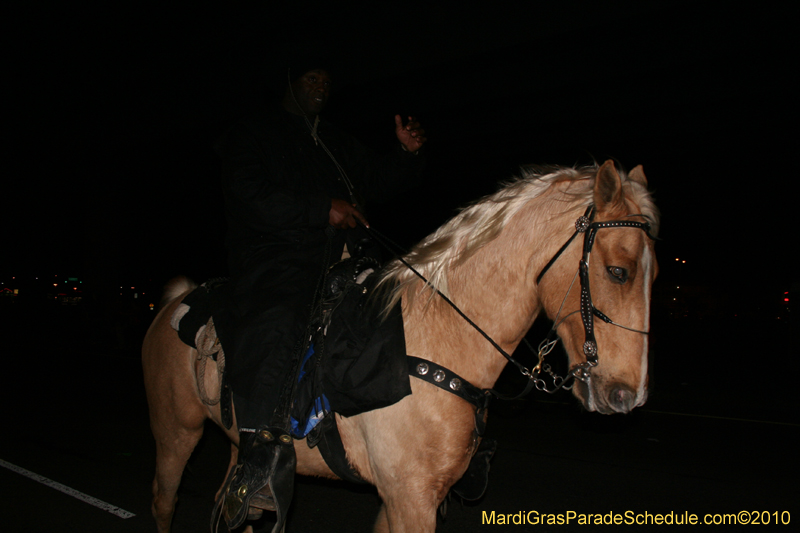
[113, 509]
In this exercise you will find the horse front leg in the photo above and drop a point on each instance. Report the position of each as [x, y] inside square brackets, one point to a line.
[409, 503]
[406, 516]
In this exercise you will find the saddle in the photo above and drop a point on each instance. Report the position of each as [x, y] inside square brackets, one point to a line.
[355, 361]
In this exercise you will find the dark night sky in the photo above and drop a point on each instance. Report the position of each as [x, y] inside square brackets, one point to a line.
[114, 113]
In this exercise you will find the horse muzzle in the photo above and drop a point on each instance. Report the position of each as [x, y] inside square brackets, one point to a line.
[610, 398]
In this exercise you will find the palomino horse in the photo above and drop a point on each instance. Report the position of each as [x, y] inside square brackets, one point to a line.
[487, 260]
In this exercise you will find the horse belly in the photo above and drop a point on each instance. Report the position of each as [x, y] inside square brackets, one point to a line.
[310, 461]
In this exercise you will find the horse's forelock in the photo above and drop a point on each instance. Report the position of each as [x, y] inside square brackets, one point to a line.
[639, 195]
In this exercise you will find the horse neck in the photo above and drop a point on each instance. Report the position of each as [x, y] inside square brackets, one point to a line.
[496, 289]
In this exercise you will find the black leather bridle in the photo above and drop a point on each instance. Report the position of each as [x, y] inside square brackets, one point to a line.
[589, 229]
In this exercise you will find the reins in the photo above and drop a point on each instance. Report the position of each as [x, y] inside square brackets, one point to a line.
[532, 379]
[383, 240]
[585, 225]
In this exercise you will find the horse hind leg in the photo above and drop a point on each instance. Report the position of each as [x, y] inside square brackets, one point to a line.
[172, 454]
[177, 427]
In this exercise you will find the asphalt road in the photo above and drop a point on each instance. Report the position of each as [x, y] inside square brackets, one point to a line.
[719, 435]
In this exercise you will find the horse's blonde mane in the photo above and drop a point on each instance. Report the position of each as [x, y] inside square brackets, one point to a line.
[481, 222]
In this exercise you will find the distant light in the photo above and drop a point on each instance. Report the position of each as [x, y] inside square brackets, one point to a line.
[55, 284]
[683, 261]
[677, 259]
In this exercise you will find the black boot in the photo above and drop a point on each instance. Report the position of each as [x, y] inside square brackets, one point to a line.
[265, 457]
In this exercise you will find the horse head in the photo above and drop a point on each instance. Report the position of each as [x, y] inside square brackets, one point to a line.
[485, 259]
[605, 330]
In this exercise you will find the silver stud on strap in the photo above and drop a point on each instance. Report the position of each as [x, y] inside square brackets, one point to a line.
[438, 376]
[590, 349]
[422, 369]
[455, 384]
[582, 374]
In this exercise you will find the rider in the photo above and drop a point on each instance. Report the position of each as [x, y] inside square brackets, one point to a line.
[294, 186]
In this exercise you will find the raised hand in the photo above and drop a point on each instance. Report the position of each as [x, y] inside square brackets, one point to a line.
[412, 136]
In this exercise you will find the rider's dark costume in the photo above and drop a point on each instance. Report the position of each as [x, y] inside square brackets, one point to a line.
[278, 182]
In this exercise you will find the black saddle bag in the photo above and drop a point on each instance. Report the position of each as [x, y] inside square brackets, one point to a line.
[364, 367]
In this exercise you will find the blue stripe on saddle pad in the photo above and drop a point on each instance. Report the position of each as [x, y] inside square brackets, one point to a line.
[319, 407]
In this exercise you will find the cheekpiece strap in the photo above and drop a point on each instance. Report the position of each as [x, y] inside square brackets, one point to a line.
[581, 225]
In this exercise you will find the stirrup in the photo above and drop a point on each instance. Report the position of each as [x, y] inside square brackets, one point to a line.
[263, 479]
[261, 501]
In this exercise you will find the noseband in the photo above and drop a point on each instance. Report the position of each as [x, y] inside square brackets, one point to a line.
[588, 311]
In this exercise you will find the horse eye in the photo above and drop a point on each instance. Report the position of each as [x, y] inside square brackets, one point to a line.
[619, 274]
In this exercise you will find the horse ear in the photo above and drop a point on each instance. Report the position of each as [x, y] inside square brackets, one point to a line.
[637, 175]
[607, 186]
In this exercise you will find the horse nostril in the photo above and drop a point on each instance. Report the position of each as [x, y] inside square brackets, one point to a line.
[621, 399]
